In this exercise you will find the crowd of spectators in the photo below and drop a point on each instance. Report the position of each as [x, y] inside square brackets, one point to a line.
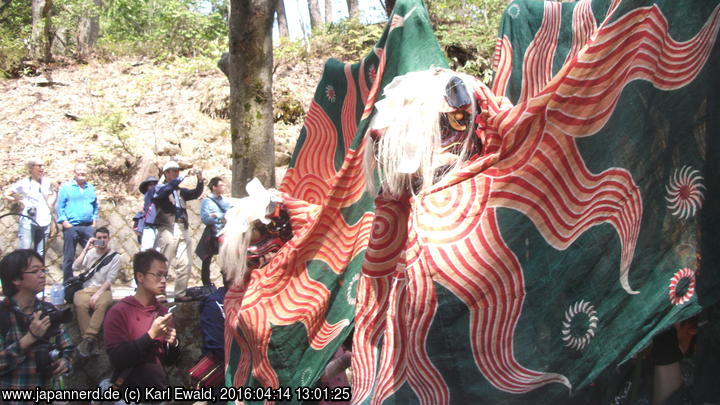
[137, 332]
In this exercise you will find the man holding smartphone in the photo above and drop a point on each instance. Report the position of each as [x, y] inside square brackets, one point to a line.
[92, 302]
[140, 335]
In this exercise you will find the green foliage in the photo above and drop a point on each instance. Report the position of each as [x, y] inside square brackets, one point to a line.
[348, 40]
[163, 29]
[15, 25]
[159, 29]
[467, 31]
[109, 130]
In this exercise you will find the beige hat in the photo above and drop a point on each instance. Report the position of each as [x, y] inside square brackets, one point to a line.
[34, 161]
[171, 165]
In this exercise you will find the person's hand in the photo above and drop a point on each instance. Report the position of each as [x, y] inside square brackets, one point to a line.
[171, 336]
[198, 174]
[93, 300]
[159, 326]
[60, 366]
[39, 325]
[66, 225]
[89, 244]
[213, 215]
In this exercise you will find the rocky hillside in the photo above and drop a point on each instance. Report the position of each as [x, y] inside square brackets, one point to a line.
[126, 118]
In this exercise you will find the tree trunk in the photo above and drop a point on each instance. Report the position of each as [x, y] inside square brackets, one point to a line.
[328, 11]
[41, 36]
[315, 19]
[353, 9]
[250, 67]
[89, 30]
[282, 20]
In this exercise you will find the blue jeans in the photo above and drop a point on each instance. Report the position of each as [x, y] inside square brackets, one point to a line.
[71, 237]
[32, 236]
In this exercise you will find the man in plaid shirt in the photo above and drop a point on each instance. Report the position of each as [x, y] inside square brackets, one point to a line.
[26, 334]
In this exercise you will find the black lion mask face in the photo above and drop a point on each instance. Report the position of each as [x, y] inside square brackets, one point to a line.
[456, 125]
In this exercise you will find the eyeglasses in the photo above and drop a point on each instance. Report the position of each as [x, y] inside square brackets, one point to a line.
[44, 270]
[159, 275]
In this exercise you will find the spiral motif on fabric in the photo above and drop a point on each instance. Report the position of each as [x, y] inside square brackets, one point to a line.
[685, 192]
[682, 274]
[350, 288]
[451, 214]
[305, 376]
[312, 189]
[583, 317]
[387, 239]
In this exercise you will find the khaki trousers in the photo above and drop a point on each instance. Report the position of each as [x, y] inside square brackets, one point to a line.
[174, 243]
[90, 320]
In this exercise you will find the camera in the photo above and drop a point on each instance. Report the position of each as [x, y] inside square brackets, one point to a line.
[45, 355]
[45, 352]
[57, 317]
[99, 243]
[32, 212]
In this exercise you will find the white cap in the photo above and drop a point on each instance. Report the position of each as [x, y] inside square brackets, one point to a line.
[171, 165]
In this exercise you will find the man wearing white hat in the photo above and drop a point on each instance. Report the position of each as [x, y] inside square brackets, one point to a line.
[173, 236]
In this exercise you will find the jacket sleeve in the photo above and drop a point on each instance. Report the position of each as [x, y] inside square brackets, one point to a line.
[188, 194]
[95, 206]
[61, 205]
[212, 326]
[163, 191]
[206, 208]
[10, 353]
[124, 353]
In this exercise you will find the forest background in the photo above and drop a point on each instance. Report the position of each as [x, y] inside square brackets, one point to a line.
[72, 58]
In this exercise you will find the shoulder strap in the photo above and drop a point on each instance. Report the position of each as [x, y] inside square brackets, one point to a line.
[100, 263]
[218, 204]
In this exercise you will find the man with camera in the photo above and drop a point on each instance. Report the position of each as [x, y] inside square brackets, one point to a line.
[37, 195]
[92, 302]
[173, 236]
[77, 210]
[140, 335]
[34, 346]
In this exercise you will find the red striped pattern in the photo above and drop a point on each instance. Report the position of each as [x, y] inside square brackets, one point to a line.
[584, 25]
[375, 89]
[349, 120]
[537, 63]
[502, 65]
[636, 46]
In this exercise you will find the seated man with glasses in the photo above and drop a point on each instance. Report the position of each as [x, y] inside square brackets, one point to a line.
[34, 347]
[139, 333]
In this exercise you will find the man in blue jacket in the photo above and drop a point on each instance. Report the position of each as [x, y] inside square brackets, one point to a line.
[171, 221]
[77, 210]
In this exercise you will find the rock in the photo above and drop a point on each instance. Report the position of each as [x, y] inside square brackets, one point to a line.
[145, 166]
[282, 158]
[168, 149]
